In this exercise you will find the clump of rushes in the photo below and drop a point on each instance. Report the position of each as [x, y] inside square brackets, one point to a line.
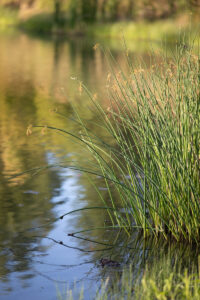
[154, 118]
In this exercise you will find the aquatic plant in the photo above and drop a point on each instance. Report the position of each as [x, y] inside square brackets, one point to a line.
[153, 165]
[161, 280]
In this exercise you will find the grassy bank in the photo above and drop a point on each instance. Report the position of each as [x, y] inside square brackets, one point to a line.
[143, 30]
[43, 23]
[168, 30]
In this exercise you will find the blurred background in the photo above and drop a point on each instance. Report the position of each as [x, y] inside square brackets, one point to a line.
[47, 47]
[76, 16]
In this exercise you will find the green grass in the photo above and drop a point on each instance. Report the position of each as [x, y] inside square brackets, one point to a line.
[154, 168]
[154, 119]
[166, 31]
[140, 30]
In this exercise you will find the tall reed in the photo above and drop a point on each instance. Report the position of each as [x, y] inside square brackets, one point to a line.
[154, 118]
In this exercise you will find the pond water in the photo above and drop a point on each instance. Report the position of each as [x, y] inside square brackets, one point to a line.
[37, 257]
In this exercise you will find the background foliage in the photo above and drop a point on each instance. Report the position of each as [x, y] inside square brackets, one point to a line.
[105, 10]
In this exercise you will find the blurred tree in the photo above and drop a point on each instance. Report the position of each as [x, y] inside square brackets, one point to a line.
[57, 11]
[89, 10]
[92, 10]
[130, 9]
[16, 4]
[195, 3]
[102, 9]
[73, 15]
[192, 3]
[113, 6]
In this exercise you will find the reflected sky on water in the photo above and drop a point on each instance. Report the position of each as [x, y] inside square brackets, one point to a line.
[36, 254]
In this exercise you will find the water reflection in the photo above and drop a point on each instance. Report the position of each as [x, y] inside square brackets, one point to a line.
[35, 77]
[24, 204]
[32, 74]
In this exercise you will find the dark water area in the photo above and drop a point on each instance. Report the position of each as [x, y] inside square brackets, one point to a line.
[37, 256]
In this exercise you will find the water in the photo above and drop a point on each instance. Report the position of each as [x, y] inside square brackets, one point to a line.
[37, 76]
[37, 256]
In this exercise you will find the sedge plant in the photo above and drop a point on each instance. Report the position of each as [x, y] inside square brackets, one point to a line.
[153, 165]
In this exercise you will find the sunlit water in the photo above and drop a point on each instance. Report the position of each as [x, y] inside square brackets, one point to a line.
[37, 257]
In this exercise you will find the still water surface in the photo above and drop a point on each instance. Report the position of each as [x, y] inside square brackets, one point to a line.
[37, 75]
